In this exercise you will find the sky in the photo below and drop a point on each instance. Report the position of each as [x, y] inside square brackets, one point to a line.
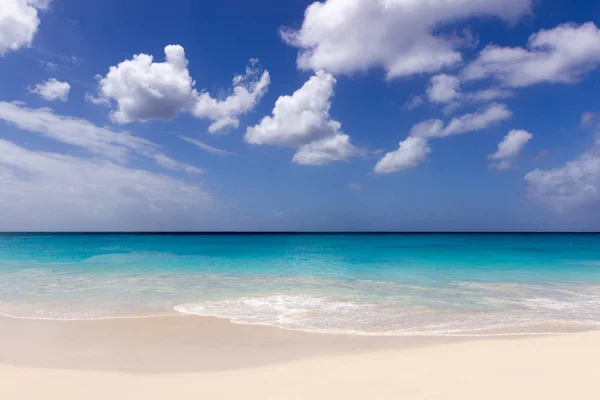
[339, 115]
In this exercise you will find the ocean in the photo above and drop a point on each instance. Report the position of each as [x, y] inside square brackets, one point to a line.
[367, 284]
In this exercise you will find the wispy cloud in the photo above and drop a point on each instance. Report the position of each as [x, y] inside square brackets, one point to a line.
[115, 145]
[42, 190]
[205, 147]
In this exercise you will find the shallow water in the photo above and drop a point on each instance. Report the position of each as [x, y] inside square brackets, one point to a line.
[383, 284]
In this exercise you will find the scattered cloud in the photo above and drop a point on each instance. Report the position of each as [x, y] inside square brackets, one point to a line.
[114, 145]
[479, 120]
[52, 89]
[590, 120]
[412, 103]
[415, 149]
[143, 90]
[355, 186]
[329, 149]
[489, 94]
[49, 191]
[509, 148]
[248, 89]
[412, 151]
[400, 36]
[205, 147]
[577, 183]
[302, 120]
[446, 89]
[560, 55]
[443, 88]
[479, 96]
[19, 22]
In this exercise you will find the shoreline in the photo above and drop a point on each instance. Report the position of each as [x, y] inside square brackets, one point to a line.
[189, 356]
[461, 334]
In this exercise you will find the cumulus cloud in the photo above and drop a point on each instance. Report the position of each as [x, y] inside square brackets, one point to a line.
[412, 151]
[19, 22]
[302, 120]
[205, 147]
[143, 90]
[443, 88]
[114, 145]
[560, 55]
[52, 89]
[248, 89]
[577, 183]
[509, 148]
[415, 148]
[324, 151]
[400, 36]
[50, 191]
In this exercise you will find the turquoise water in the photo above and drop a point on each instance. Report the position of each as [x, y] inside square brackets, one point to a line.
[381, 284]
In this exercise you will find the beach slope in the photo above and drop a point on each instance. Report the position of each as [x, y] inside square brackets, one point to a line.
[551, 367]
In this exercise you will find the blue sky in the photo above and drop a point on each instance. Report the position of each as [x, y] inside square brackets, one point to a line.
[267, 115]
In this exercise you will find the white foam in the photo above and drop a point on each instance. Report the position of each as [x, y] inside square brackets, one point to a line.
[331, 315]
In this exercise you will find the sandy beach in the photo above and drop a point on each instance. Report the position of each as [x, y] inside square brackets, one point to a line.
[193, 357]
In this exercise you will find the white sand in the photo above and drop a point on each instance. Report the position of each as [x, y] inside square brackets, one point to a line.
[557, 367]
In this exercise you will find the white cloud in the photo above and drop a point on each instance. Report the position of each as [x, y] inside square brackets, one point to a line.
[205, 147]
[52, 89]
[412, 151]
[19, 22]
[489, 94]
[400, 36]
[428, 128]
[479, 96]
[560, 55]
[482, 119]
[446, 89]
[355, 186]
[509, 148]
[169, 163]
[248, 89]
[81, 133]
[577, 183]
[324, 151]
[443, 88]
[49, 191]
[144, 90]
[479, 120]
[302, 120]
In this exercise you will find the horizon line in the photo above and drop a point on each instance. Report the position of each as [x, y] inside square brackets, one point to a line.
[295, 232]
